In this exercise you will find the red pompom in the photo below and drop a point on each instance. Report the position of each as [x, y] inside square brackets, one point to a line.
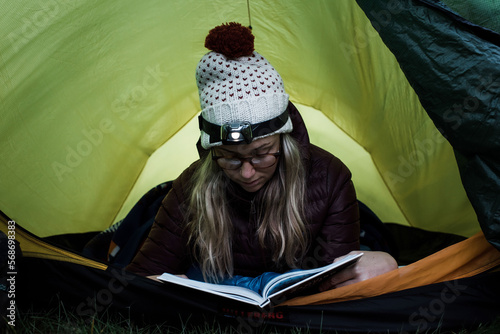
[231, 39]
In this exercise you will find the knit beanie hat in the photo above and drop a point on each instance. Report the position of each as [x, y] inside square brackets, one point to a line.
[242, 97]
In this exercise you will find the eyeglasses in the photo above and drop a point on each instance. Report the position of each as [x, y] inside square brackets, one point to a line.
[257, 161]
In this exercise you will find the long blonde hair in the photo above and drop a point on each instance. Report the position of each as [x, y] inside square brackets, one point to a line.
[280, 206]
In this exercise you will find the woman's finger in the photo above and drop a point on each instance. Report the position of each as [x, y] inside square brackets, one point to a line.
[340, 277]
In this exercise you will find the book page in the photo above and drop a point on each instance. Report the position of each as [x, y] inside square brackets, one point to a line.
[288, 282]
[307, 278]
[230, 291]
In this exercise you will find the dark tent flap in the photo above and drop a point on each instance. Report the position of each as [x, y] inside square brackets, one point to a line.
[454, 67]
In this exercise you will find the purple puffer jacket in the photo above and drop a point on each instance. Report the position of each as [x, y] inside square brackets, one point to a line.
[331, 213]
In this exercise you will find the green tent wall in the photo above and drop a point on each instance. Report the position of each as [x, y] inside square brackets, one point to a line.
[98, 105]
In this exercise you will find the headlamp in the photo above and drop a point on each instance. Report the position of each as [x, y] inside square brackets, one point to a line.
[241, 132]
[235, 133]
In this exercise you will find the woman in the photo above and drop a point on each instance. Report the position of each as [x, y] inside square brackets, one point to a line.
[262, 197]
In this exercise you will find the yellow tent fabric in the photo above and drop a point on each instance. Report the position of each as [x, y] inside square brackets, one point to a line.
[34, 247]
[98, 105]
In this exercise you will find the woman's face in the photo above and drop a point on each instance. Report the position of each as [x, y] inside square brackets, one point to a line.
[247, 176]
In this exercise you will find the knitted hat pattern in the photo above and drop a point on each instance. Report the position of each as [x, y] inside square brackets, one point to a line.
[237, 84]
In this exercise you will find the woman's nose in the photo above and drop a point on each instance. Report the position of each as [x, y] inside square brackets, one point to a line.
[247, 170]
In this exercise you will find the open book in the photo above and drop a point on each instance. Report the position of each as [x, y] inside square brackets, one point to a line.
[276, 290]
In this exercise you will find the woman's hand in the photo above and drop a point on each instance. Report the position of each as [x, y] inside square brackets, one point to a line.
[371, 264]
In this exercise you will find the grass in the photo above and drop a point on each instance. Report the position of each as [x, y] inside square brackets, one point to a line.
[62, 321]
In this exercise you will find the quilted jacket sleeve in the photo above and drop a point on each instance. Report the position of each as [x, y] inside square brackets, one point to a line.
[335, 219]
[166, 249]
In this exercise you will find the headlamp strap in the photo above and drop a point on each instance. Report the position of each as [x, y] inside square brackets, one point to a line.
[248, 131]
